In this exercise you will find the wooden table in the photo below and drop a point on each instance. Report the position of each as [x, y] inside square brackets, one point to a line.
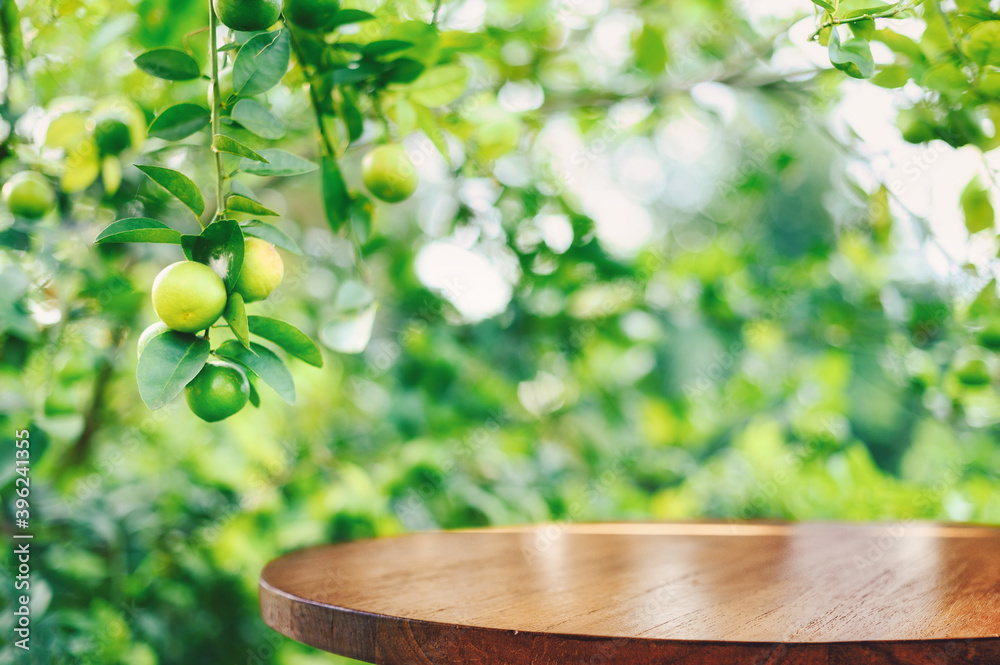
[707, 593]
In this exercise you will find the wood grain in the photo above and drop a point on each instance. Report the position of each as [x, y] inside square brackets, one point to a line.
[705, 593]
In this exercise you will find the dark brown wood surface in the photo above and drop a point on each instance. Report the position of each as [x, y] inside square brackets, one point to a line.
[691, 593]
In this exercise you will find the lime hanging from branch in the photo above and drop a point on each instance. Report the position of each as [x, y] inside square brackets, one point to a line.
[389, 174]
[219, 390]
[262, 270]
[29, 194]
[188, 296]
[247, 15]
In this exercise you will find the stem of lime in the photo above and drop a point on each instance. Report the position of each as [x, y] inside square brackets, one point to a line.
[220, 175]
[326, 143]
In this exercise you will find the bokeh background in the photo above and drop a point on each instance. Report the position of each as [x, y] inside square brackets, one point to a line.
[713, 282]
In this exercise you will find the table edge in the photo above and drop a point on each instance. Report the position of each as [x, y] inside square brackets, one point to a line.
[389, 639]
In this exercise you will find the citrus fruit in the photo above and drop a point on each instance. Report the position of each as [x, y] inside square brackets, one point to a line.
[148, 334]
[388, 173]
[111, 134]
[974, 372]
[262, 270]
[116, 124]
[990, 335]
[226, 89]
[188, 296]
[312, 15]
[496, 137]
[218, 391]
[247, 15]
[916, 126]
[28, 194]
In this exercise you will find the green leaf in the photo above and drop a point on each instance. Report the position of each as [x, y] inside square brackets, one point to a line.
[864, 29]
[893, 76]
[385, 47]
[900, 44]
[138, 229]
[236, 317]
[263, 362]
[169, 63]
[261, 63]
[272, 234]
[353, 120]
[428, 124]
[824, 5]
[361, 218]
[983, 46]
[856, 8]
[336, 199]
[237, 187]
[425, 38]
[853, 57]
[650, 50]
[167, 364]
[403, 70]
[254, 395]
[441, 85]
[357, 71]
[179, 121]
[229, 145]
[279, 163]
[987, 303]
[256, 118]
[946, 78]
[456, 41]
[237, 203]
[177, 184]
[220, 246]
[347, 16]
[288, 337]
[976, 206]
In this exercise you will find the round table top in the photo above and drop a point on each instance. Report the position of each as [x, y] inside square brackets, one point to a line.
[688, 593]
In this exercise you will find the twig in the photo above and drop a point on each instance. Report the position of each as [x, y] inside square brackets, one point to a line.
[220, 175]
[327, 143]
[834, 20]
[92, 420]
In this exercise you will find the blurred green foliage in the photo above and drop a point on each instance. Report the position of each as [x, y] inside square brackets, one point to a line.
[777, 346]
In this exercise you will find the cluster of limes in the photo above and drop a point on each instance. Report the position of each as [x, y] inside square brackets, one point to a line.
[92, 137]
[190, 297]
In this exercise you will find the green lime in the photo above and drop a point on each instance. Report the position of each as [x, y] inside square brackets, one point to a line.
[247, 15]
[313, 15]
[28, 194]
[990, 335]
[188, 296]
[916, 125]
[262, 270]
[388, 173]
[111, 134]
[974, 372]
[218, 391]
